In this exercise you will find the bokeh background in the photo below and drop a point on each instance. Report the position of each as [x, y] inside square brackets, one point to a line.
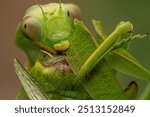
[110, 12]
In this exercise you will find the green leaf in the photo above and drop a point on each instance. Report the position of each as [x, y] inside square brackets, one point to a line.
[81, 46]
[100, 83]
[121, 60]
[31, 88]
[146, 93]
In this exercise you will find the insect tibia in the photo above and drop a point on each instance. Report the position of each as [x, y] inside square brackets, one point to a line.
[138, 36]
[118, 44]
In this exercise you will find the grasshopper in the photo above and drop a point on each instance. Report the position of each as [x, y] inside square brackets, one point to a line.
[67, 62]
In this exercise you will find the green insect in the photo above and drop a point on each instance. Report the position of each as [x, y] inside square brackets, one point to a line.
[67, 62]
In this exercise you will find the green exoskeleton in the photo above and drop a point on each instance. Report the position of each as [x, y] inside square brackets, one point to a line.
[66, 61]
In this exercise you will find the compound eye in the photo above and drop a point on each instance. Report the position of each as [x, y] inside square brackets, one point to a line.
[73, 11]
[31, 28]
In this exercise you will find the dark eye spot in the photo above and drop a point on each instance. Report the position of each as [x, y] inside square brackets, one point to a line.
[25, 26]
[130, 31]
[31, 27]
[68, 13]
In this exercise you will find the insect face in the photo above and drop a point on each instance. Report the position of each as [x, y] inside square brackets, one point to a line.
[50, 26]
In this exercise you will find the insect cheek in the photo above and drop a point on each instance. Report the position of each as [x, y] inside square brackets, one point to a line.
[31, 28]
[73, 11]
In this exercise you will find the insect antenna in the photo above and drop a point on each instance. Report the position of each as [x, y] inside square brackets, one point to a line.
[60, 8]
[39, 6]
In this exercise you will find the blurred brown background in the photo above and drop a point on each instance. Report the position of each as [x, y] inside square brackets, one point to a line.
[110, 12]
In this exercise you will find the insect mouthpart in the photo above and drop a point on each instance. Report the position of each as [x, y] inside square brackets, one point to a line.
[51, 53]
[47, 53]
[62, 46]
[58, 64]
[46, 50]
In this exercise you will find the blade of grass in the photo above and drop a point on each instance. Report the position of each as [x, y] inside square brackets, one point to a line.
[146, 93]
[31, 88]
